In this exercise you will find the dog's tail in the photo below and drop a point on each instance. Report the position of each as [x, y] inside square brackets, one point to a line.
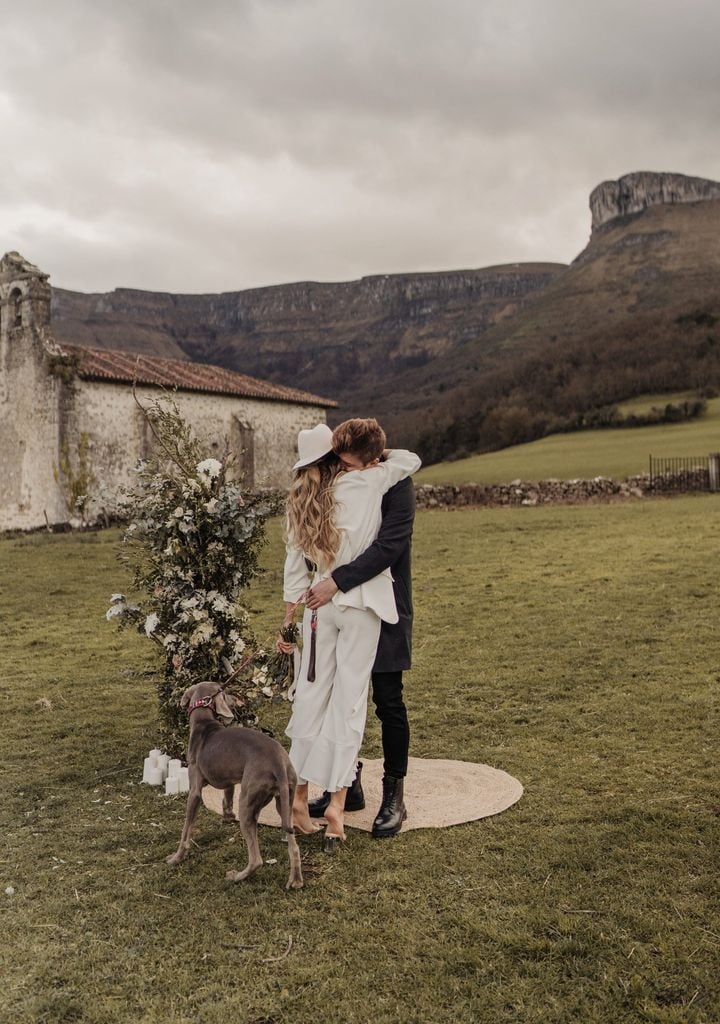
[287, 781]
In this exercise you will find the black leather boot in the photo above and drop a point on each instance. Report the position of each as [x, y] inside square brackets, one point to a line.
[354, 798]
[392, 811]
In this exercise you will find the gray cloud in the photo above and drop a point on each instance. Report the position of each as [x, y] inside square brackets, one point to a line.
[165, 144]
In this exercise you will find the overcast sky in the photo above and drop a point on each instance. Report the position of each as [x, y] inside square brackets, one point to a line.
[186, 146]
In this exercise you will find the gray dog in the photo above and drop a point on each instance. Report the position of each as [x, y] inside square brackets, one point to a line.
[223, 757]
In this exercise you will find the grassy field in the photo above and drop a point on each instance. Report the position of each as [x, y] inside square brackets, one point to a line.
[615, 453]
[576, 648]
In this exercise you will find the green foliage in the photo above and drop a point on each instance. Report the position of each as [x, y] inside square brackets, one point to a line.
[74, 475]
[192, 546]
[669, 412]
[64, 367]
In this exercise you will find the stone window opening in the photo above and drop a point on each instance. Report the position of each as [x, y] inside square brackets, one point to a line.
[242, 444]
[15, 308]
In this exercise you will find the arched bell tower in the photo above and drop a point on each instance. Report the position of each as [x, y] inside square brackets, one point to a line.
[24, 295]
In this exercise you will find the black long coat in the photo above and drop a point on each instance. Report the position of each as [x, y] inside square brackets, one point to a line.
[391, 549]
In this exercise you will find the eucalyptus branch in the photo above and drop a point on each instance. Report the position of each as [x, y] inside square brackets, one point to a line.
[184, 469]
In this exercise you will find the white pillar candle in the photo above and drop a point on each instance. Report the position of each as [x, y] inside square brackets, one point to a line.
[155, 776]
[183, 781]
[172, 786]
[155, 752]
[149, 764]
[162, 762]
[174, 767]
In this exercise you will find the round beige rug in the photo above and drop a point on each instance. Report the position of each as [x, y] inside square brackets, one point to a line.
[437, 794]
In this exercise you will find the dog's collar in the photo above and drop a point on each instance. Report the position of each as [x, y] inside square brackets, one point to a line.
[203, 702]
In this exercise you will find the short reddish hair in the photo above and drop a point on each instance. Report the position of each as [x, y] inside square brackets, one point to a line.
[364, 438]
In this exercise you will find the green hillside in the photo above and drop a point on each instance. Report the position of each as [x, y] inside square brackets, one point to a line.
[616, 453]
[636, 312]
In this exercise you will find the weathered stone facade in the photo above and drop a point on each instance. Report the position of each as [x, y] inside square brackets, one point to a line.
[51, 406]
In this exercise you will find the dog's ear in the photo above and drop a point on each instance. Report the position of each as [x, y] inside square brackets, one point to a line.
[187, 696]
[223, 704]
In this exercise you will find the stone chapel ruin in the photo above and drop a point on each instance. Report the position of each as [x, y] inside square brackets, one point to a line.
[65, 405]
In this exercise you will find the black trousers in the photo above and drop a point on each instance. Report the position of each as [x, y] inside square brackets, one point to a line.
[387, 694]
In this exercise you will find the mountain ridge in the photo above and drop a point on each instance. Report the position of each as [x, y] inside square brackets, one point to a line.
[323, 334]
[457, 361]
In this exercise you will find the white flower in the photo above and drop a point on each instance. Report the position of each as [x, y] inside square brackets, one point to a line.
[115, 609]
[151, 624]
[237, 641]
[189, 602]
[203, 632]
[267, 690]
[221, 603]
[170, 639]
[179, 512]
[209, 468]
[210, 505]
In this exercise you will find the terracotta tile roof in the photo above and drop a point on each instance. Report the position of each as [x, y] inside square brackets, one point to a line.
[114, 365]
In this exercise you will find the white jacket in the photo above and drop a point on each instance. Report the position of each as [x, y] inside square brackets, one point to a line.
[358, 497]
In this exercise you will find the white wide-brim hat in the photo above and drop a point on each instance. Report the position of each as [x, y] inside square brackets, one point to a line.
[313, 444]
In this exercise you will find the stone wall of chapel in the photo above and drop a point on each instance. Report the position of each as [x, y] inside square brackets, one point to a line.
[118, 436]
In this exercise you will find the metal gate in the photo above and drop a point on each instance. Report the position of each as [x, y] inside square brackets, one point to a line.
[685, 473]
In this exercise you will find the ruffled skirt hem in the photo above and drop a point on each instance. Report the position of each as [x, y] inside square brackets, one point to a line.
[327, 764]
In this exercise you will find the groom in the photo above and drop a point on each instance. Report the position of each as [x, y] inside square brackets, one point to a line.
[391, 549]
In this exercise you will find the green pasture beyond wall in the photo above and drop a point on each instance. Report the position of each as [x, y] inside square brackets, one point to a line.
[615, 453]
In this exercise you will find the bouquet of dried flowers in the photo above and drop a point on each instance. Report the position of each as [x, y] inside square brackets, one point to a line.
[281, 667]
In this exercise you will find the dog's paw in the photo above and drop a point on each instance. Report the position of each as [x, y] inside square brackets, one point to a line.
[295, 883]
[175, 858]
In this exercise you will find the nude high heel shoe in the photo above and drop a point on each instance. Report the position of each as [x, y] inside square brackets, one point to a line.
[331, 842]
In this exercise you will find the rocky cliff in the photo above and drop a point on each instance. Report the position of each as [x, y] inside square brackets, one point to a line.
[316, 336]
[635, 192]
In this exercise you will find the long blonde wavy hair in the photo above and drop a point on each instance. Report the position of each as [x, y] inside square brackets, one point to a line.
[310, 507]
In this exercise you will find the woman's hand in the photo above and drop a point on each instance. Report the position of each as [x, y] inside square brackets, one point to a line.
[283, 646]
[321, 593]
